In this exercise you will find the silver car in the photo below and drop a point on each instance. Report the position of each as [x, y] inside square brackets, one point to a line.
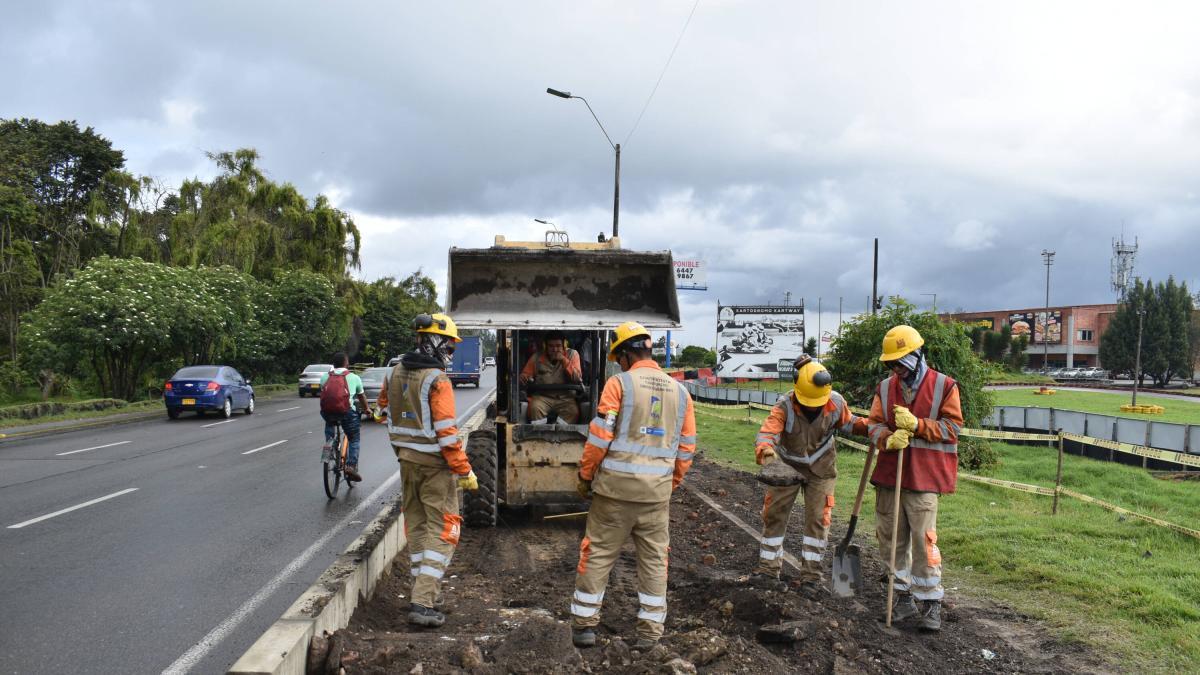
[310, 378]
[373, 379]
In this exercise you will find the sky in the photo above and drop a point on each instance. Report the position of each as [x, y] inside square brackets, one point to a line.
[781, 140]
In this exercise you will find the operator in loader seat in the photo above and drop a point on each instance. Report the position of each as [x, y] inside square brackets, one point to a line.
[555, 363]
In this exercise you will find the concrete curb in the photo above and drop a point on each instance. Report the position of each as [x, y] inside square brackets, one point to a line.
[328, 604]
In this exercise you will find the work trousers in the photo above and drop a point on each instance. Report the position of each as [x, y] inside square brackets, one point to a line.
[432, 525]
[540, 407]
[777, 509]
[918, 561]
[350, 426]
[610, 523]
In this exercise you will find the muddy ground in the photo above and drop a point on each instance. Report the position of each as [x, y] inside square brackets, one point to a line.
[507, 592]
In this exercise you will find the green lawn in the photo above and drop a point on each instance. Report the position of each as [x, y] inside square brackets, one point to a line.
[1005, 377]
[1106, 403]
[1124, 587]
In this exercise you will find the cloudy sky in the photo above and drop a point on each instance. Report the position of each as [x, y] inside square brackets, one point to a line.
[783, 137]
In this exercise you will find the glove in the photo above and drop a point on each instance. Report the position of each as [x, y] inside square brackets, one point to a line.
[768, 456]
[905, 419]
[469, 481]
[583, 487]
[899, 440]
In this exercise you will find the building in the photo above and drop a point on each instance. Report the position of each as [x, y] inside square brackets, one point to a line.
[1071, 339]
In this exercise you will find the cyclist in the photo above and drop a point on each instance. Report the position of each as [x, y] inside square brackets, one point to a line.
[340, 390]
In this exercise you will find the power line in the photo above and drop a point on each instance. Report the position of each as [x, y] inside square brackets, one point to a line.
[664, 72]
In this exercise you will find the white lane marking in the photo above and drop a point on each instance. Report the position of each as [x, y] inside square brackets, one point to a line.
[205, 426]
[287, 409]
[94, 447]
[215, 636]
[270, 445]
[69, 509]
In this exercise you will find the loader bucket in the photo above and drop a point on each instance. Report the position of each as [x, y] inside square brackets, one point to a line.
[561, 288]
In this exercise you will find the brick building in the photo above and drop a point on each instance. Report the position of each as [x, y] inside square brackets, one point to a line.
[1071, 337]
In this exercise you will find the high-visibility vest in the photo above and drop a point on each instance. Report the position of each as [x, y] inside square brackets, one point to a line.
[810, 445]
[410, 422]
[640, 462]
[929, 466]
[545, 372]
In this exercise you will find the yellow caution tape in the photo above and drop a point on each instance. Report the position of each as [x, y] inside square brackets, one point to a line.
[1012, 485]
[1007, 435]
[854, 444]
[1140, 516]
[1139, 450]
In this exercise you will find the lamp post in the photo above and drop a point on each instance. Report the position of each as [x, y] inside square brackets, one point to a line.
[934, 301]
[616, 150]
[1049, 258]
[1137, 359]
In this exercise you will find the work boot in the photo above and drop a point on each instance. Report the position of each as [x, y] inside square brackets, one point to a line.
[645, 644]
[931, 618]
[583, 637]
[352, 473]
[905, 608]
[766, 580]
[420, 615]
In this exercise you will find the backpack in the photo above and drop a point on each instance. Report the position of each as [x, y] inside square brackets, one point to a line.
[335, 395]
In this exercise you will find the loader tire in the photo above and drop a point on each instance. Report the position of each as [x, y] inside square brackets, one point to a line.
[480, 506]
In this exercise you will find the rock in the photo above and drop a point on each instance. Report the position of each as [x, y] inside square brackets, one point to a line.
[722, 492]
[727, 608]
[419, 669]
[472, 657]
[709, 559]
[988, 654]
[834, 624]
[678, 667]
[843, 666]
[694, 515]
[788, 631]
[702, 646]
[617, 653]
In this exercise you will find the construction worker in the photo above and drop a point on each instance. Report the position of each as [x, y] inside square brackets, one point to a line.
[423, 432]
[916, 409]
[796, 448]
[554, 364]
[639, 447]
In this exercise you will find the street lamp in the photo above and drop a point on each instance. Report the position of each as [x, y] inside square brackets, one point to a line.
[615, 146]
[934, 301]
[1049, 258]
[1137, 359]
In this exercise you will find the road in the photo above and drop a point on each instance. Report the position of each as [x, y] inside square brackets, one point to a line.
[158, 544]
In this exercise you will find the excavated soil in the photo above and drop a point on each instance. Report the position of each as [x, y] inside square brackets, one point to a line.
[507, 592]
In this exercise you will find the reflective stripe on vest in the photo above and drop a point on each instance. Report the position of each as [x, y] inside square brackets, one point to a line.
[826, 443]
[640, 458]
[408, 428]
[935, 406]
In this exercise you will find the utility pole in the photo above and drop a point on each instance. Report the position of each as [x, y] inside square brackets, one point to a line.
[839, 317]
[1137, 359]
[1049, 258]
[875, 279]
[820, 335]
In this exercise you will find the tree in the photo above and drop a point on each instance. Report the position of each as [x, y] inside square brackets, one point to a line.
[857, 370]
[388, 311]
[1166, 314]
[1017, 358]
[697, 357]
[20, 276]
[810, 346]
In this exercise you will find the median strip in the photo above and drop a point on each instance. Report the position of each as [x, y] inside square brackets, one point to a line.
[69, 509]
[269, 445]
[94, 447]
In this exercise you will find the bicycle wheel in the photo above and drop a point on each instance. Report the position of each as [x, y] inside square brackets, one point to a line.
[333, 468]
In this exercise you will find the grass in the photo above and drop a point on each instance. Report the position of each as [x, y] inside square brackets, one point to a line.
[1128, 589]
[260, 391]
[1005, 377]
[1105, 403]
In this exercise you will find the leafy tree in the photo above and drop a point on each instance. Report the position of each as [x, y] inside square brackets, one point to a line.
[857, 371]
[697, 357]
[810, 346]
[1017, 358]
[388, 310]
[20, 275]
[1166, 311]
[302, 319]
[977, 337]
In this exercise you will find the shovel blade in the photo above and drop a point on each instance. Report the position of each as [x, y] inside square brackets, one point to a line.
[847, 572]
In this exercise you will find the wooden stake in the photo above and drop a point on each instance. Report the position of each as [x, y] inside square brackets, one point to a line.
[895, 531]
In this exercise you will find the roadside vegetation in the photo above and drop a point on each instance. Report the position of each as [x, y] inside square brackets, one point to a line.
[1104, 403]
[1123, 586]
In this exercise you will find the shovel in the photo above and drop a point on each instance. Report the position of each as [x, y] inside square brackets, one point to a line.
[847, 568]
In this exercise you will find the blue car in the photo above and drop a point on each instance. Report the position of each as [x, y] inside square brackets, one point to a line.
[203, 388]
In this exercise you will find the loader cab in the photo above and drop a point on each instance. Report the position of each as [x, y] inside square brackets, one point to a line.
[526, 291]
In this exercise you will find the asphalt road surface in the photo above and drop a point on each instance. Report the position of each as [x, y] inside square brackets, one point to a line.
[173, 544]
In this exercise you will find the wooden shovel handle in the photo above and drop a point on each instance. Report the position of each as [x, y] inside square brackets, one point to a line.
[895, 531]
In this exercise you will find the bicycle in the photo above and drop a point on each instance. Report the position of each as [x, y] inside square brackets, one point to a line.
[334, 468]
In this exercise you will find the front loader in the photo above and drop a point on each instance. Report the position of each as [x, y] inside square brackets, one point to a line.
[524, 291]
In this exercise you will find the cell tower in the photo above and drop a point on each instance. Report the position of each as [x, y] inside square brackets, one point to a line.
[1122, 265]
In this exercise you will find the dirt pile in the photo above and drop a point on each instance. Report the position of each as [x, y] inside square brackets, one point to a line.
[507, 592]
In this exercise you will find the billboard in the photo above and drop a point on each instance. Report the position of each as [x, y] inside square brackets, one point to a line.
[1035, 325]
[753, 339]
[691, 275]
[987, 323]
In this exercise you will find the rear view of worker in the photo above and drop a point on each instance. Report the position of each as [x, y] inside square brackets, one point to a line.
[796, 448]
[554, 364]
[433, 466]
[639, 447]
[916, 408]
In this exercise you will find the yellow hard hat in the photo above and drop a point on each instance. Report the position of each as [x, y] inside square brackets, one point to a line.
[813, 385]
[438, 324]
[624, 333]
[899, 341]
